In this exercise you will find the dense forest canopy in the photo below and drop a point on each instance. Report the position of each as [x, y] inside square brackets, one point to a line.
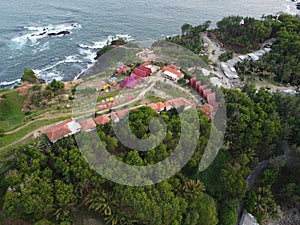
[281, 64]
[53, 182]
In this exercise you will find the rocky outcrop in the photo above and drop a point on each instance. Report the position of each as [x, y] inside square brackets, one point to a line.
[64, 32]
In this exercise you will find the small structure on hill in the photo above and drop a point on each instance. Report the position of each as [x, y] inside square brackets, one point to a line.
[172, 72]
[248, 219]
[62, 129]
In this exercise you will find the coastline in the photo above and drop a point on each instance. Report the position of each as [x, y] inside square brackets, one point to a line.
[95, 66]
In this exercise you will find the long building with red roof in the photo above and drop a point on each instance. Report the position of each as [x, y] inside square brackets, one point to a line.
[62, 129]
[173, 73]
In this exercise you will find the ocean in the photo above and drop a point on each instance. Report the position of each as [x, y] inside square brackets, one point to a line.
[25, 24]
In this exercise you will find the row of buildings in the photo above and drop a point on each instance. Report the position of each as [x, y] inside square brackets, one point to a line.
[171, 72]
[138, 74]
[70, 126]
[208, 95]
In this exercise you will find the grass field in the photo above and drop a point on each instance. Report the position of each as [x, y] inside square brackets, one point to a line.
[10, 138]
[11, 114]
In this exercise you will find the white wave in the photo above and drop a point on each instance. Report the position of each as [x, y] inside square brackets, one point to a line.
[42, 32]
[88, 54]
[290, 7]
[54, 28]
[52, 66]
[107, 41]
[68, 59]
[45, 47]
[72, 59]
[49, 76]
[8, 83]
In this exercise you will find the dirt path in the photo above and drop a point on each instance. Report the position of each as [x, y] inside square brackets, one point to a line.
[26, 136]
[51, 116]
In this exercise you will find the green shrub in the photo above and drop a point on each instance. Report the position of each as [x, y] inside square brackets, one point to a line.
[29, 76]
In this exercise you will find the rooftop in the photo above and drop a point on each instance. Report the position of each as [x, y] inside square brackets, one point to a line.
[87, 124]
[102, 119]
[59, 130]
[179, 102]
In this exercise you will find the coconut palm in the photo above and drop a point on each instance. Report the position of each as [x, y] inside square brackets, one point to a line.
[100, 201]
[192, 188]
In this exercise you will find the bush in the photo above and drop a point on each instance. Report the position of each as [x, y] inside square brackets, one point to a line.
[56, 85]
[29, 76]
[226, 56]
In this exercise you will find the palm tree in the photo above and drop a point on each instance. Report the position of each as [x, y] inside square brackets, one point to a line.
[192, 188]
[100, 201]
[115, 219]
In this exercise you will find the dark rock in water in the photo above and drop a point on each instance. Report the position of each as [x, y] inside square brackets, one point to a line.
[40, 34]
[64, 32]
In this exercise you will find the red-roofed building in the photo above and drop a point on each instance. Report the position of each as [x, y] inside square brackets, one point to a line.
[114, 117]
[193, 82]
[208, 110]
[154, 106]
[122, 113]
[142, 71]
[62, 129]
[198, 84]
[161, 106]
[180, 102]
[102, 119]
[211, 98]
[201, 89]
[206, 92]
[172, 73]
[173, 67]
[87, 125]
[168, 106]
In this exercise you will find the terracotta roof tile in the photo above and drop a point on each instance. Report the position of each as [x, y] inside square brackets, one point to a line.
[178, 102]
[171, 70]
[87, 124]
[58, 131]
[102, 119]
[154, 106]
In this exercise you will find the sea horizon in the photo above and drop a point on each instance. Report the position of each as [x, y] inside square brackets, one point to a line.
[25, 43]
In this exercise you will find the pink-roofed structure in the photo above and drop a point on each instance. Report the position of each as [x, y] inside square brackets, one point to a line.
[198, 84]
[192, 82]
[211, 98]
[201, 89]
[206, 92]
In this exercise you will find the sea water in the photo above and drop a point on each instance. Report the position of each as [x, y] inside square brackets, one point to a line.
[25, 24]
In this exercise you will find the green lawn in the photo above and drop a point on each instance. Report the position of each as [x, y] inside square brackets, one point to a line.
[10, 138]
[154, 99]
[11, 114]
[107, 95]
